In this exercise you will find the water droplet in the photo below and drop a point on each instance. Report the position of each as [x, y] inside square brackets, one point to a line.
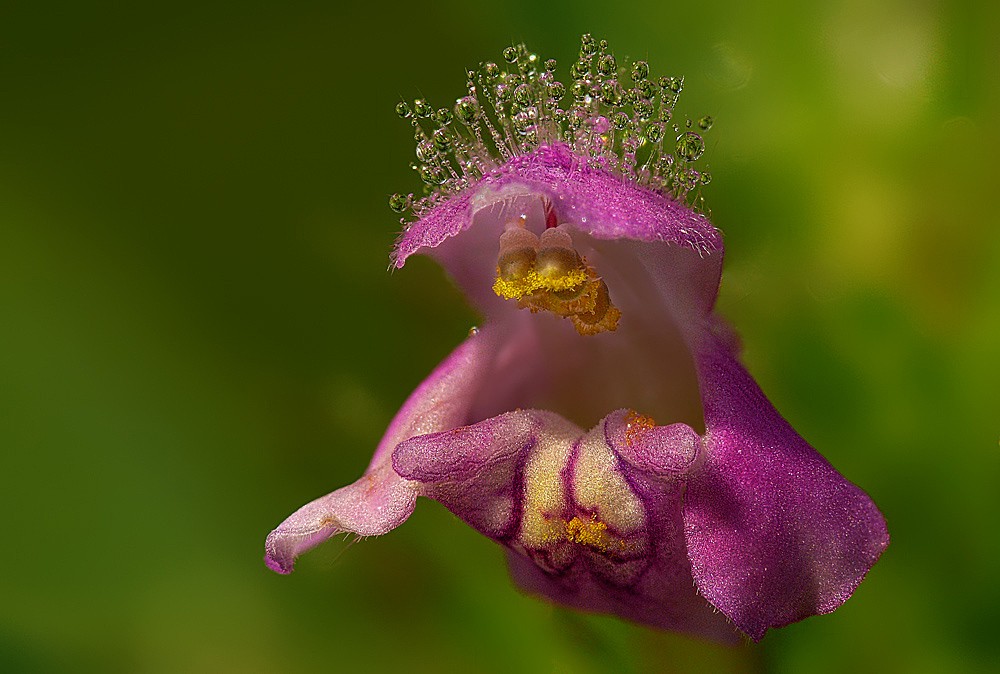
[491, 70]
[690, 146]
[607, 66]
[654, 132]
[643, 108]
[398, 202]
[621, 121]
[579, 70]
[706, 123]
[467, 109]
[588, 46]
[550, 66]
[431, 176]
[646, 89]
[640, 70]
[425, 150]
[403, 110]
[441, 140]
[443, 116]
[510, 54]
[610, 93]
[421, 108]
[706, 178]
[523, 95]
[557, 90]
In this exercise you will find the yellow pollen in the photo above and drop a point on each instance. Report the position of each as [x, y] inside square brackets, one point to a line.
[533, 282]
[592, 533]
[546, 274]
[578, 294]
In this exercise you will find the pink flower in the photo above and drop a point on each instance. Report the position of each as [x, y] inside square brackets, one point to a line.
[600, 425]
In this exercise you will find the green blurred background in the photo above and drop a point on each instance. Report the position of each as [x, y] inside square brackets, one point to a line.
[198, 332]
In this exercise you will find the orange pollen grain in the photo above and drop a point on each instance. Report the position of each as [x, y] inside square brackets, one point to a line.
[635, 425]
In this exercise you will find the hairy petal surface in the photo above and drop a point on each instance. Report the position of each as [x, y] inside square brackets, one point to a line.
[382, 500]
[599, 203]
[377, 503]
[774, 533]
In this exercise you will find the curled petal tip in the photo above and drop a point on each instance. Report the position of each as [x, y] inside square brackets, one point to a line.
[276, 564]
[376, 504]
[286, 542]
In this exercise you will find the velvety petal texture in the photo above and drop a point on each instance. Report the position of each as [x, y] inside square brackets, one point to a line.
[584, 527]
[597, 201]
[774, 532]
[381, 500]
[600, 426]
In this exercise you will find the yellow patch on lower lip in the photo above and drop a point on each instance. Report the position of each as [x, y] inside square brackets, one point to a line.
[592, 533]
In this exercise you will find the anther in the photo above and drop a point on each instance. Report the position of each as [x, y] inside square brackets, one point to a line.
[517, 254]
[558, 264]
[547, 274]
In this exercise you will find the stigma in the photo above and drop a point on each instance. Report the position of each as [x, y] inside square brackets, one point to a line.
[546, 273]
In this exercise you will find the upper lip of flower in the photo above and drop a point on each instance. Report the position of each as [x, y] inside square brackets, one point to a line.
[724, 507]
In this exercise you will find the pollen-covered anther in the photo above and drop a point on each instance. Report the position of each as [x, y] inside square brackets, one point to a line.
[516, 275]
[547, 274]
[635, 425]
[559, 266]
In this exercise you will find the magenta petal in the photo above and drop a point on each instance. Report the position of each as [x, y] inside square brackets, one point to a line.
[527, 478]
[774, 533]
[666, 451]
[381, 500]
[476, 471]
[629, 225]
[377, 503]
[598, 202]
[462, 453]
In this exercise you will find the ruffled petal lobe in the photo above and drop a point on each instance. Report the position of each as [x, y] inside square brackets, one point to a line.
[774, 533]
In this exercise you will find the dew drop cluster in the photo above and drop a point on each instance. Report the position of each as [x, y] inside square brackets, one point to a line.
[616, 117]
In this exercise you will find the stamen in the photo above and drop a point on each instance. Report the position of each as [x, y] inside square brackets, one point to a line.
[559, 267]
[547, 274]
[516, 262]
